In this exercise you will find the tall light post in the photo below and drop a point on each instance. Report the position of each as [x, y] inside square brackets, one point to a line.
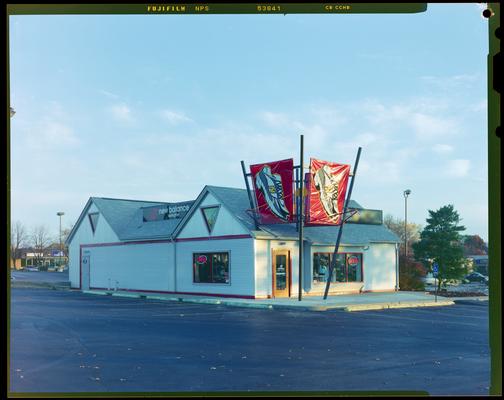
[406, 193]
[60, 214]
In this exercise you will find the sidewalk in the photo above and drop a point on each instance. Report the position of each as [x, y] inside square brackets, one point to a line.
[357, 302]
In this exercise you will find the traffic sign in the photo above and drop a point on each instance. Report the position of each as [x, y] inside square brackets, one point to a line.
[435, 269]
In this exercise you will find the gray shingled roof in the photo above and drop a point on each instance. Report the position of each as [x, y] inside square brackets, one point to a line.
[126, 219]
[236, 200]
[353, 234]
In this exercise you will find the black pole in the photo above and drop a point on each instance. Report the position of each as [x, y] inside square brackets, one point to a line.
[340, 231]
[296, 185]
[301, 222]
[249, 195]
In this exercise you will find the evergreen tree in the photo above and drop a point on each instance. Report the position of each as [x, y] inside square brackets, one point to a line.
[441, 243]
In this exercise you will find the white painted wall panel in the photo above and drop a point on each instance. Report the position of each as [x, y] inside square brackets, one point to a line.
[85, 235]
[134, 266]
[380, 267]
[226, 223]
[241, 269]
[263, 278]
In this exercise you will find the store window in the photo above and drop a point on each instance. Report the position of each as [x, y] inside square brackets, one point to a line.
[211, 267]
[347, 268]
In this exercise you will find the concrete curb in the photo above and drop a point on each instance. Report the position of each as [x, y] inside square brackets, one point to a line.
[230, 303]
[39, 285]
[383, 306]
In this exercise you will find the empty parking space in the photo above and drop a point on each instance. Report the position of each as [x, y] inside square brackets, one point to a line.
[66, 341]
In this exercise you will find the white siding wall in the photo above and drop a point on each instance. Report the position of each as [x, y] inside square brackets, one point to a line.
[241, 266]
[134, 266]
[226, 223]
[84, 235]
[263, 277]
[380, 267]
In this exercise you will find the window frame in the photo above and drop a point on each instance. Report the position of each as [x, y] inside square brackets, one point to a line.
[93, 226]
[207, 253]
[345, 254]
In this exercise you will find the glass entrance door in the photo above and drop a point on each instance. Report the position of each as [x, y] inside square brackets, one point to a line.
[281, 273]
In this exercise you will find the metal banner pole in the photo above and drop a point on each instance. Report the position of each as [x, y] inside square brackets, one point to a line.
[249, 195]
[301, 222]
[340, 231]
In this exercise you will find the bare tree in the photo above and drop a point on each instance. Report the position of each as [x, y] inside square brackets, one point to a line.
[396, 225]
[18, 240]
[40, 240]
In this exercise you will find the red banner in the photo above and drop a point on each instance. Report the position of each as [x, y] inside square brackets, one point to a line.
[273, 188]
[327, 191]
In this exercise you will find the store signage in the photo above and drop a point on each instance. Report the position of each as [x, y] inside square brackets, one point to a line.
[202, 259]
[159, 213]
[327, 191]
[353, 260]
[368, 217]
[273, 188]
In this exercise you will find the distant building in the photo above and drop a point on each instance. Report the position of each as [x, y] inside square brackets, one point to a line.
[50, 258]
[479, 263]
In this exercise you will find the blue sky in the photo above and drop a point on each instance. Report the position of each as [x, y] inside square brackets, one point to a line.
[153, 107]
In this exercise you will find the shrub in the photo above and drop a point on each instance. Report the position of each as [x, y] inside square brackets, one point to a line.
[411, 274]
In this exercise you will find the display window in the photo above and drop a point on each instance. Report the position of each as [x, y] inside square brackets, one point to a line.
[347, 267]
[211, 267]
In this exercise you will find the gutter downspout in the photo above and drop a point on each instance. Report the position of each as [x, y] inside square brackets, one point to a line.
[397, 267]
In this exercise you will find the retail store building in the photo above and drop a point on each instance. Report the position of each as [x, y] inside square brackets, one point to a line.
[211, 246]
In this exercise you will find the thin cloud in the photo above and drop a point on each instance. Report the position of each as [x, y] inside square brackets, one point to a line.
[121, 112]
[109, 94]
[458, 168]
[58, 134]
[442, 148]
[175, 117]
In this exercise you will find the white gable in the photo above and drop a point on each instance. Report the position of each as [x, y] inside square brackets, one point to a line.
[84, 235]
[103, 232]
[226, 224]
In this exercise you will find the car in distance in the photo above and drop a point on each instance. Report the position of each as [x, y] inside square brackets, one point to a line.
[476, 277]
[31, 269]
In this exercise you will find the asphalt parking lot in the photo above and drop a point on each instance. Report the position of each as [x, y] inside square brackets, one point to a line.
[66, 341]
[40, 276]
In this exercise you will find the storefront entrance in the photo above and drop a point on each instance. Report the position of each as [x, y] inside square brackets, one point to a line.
[281, 273]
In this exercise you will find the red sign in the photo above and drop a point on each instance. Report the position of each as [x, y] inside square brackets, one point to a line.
[273, 188]
[353, 260]
[202, 259]
[327, 191]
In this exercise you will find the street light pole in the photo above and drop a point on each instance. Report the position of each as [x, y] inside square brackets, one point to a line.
[406, 193]
[60, 214]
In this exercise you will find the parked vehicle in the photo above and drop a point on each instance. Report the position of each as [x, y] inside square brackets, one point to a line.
[31, 269]
[476, 277]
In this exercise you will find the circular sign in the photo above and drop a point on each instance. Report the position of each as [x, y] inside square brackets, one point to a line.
[353, 260]
[201, 259]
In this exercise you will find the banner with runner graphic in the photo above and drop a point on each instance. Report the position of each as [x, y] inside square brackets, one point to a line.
[273, 189]
[327, 191]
